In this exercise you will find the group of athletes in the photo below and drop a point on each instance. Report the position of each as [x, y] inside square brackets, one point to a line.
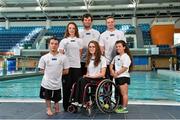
[82, 57]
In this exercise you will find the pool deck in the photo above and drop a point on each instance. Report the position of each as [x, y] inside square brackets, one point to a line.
[36, 110]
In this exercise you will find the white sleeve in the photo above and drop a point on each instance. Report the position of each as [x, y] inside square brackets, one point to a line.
[104, 64]
[81, 34]
[126, 61]
[62, 44]
[101, 40]
[122, 36]
[97, 35]
[66, 63]
[80, 42]
[42, 63]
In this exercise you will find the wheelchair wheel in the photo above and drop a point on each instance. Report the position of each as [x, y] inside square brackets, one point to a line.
[72, 109]
[105, 97]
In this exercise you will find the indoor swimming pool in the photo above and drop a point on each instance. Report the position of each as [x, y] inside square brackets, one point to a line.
[152, 86]
[144, 86]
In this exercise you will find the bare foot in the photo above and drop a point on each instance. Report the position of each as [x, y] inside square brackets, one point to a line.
[49, 112]
[56, 108]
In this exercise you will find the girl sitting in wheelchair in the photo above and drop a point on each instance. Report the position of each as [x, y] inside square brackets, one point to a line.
[96, 69]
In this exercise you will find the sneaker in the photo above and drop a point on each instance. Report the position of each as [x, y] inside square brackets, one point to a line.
[121, 110]
[75, 103]
[106, 106]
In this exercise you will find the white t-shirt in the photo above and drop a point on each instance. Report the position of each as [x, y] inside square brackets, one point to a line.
[53, 67]
[108, 40]
[92, 70]
[71, 47]
[122, 61]
[87, 36]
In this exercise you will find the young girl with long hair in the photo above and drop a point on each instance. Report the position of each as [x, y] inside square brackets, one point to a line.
[71, 46]
[96, 69]
[123, 65]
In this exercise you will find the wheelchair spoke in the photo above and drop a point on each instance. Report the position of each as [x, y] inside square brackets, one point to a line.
[101, 95]
[105, 98]
[107, 91]
[113, 102]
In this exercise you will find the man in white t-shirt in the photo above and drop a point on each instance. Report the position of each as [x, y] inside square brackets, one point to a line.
[107, 43]
[53, 65]
[87, 34]
[108, 40]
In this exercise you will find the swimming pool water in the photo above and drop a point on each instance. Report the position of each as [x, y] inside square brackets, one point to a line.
[144, 86]
[20, 88]
[151, 86]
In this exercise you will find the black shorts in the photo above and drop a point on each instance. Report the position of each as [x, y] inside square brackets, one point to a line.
[54, 95]
[122, 80]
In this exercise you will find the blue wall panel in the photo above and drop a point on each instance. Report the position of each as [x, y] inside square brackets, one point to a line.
[178, 51]
[140, 60]
[11, 64]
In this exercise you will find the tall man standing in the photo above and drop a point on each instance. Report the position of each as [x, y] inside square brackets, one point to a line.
[87, 34]
[108, 40]
[107, 43]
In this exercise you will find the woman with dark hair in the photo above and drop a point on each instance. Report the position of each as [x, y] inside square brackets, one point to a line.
[123, 65]
[96, 69]
[71, 46]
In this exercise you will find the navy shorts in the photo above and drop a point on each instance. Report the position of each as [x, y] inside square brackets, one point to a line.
[54, 95]
[122, 80]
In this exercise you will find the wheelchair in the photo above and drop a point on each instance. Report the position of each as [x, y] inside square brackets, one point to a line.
[104, 97]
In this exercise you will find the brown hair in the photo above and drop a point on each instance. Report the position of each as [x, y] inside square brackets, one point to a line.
[67, 32]
[97, 54]
[109, 17]
[52, 38]
[87, 15]
[126, 50]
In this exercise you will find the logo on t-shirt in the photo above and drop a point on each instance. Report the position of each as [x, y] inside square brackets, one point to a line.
[88, 33]
[111, 35]
[72, 40]
[54, 58]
